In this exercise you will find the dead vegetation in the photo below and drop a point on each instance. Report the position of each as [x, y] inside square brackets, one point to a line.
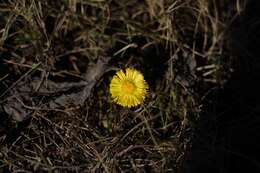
[57, 59]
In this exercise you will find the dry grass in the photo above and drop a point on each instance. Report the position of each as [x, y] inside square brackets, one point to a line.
[180, 46]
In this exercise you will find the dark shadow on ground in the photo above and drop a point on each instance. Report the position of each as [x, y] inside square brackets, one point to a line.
[226, 139]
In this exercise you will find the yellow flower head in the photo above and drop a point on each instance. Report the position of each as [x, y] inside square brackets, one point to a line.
[128, 88]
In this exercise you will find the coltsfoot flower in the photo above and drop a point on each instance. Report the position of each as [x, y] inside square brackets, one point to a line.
[128, 88]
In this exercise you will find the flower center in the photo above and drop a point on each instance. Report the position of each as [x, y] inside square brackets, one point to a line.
[128, 87]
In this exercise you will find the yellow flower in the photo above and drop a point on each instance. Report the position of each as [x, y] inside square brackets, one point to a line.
[128, 88]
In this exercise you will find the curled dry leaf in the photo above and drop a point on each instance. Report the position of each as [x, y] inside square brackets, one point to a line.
[25, 98]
